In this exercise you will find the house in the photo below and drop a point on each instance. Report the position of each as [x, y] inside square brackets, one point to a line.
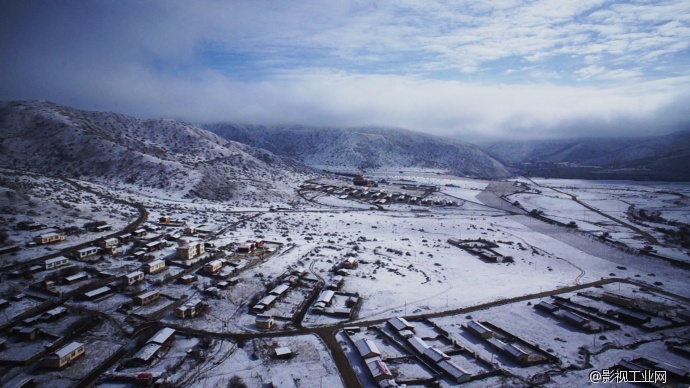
[163, 337]
[399, 324]
[109, 243]
[146, 354]
[245, 248]
[335, 283]
[153, 246]
[452, 369]
[98, 294]
[212, 291]
[326, 297]
[435, 355]
[379, 370]
[190, 250]
[125, 237]
[265, 302]
[27, 333]
[479, 330]
[55, 262]
[85, 252]
[154, 266]
[617, 299]
[516, 353]
[146, 297]
[103, 228]
[280, 289]
[189, 309]
[546, 306]
[223, 284]
[212, 266]
[574, 319]
[349, 263]
[367, 348]
[630, 317]
[64, 356]
[134, 277]
[49, 238]
[54, 314]
[186, 279]
[264, 321]
[141, 232]
[418, 344]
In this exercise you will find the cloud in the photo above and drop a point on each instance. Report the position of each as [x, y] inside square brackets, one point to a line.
[499, 68]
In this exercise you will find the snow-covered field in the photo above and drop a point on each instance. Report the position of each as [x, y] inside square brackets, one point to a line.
[406, 266]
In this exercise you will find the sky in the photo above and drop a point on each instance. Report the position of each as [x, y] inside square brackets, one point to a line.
[493, 69]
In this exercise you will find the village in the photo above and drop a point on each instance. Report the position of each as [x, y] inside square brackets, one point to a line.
[357, 282]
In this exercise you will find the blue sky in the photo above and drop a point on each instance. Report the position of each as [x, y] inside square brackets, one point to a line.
[490, 69]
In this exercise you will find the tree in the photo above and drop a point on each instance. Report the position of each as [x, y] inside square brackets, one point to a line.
[236, 382]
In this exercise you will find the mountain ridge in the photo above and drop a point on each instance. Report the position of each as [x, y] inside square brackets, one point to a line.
[45, 137]
[366, 147]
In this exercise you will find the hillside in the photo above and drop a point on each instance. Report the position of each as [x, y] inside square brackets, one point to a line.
[366, 148]
[111, 148]
[662, 157]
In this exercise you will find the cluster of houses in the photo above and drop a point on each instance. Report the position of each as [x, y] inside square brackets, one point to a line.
[377, 196]
[377, 368]
[52, 236]
[508, 346]
[482, 249]
[161, 340]
[430, 354]
[273, 296]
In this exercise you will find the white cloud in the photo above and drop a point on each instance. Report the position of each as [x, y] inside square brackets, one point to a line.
[426, 65]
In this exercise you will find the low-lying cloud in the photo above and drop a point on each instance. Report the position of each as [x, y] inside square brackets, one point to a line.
[510, 70]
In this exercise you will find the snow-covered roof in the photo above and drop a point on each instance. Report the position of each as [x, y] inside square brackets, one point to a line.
[268, 299]
[134, 274]
[478, 327]
[378, 369]
[76, 276]
[418, 344]
[367, 348]
[326, 296]
[67, 349]
[98, 291]
[400, 323]
[514, 350]
[454, 370]
[436, 354]
[279, 290]
[283, 351]
[146, 294]
[147, 352]
[56, 259]
[162, 336]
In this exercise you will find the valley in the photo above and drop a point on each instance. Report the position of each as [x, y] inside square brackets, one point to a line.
[326, 265]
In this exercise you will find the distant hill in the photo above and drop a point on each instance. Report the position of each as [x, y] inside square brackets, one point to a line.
[112, 148]
[366, 148]
[663, 157]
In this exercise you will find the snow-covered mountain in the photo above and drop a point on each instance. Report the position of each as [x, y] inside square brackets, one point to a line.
[112, 148]
[366, 148]
[660, 157]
